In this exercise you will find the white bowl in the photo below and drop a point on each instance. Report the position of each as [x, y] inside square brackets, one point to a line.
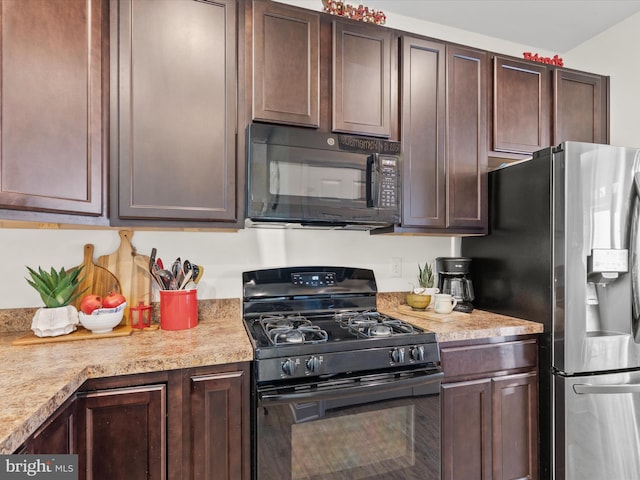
[102, 320]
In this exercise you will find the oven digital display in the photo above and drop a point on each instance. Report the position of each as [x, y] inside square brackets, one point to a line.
[314, 279]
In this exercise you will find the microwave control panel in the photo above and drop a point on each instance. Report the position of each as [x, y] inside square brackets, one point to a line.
[388, 190]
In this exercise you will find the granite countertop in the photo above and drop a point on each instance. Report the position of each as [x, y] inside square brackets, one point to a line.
[36, 379]
[457, 326]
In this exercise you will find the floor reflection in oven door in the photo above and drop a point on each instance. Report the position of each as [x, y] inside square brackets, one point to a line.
[389, 439]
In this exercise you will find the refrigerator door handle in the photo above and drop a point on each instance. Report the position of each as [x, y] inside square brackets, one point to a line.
[588, 389]
[634, 251]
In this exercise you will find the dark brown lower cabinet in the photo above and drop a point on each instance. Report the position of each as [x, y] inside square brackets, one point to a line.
[177, 425]
[121, 433]
[54, 436]
[466, 429]
[490, 410]
[216, 425]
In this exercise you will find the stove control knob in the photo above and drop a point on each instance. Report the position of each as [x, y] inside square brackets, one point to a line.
[313, 364]
[417, 353]
[397, 355]
[289, 367]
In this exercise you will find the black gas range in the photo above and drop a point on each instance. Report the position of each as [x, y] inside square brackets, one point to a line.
[308, 322]
[338, 390]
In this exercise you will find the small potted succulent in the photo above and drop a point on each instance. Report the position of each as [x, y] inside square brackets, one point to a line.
[57, 290]
[420, 297]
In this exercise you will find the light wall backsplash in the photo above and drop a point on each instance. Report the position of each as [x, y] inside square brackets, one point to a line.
[224, 256]
[435, 30]
[614, 52]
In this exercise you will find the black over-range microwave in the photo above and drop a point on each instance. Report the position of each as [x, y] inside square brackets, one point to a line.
[302, 177]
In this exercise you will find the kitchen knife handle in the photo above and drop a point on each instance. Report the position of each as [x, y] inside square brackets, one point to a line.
[589, 389]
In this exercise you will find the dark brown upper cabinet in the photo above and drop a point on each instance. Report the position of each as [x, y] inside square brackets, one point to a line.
[361, 78]
[580, 107]
[174, 121]
[286, 75]
[53, 99]
[423, 133]
[521, 106]
[467, 104]
[444, 137]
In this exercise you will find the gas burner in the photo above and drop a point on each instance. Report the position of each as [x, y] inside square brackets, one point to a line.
[284, 330]
[270, 322]
[350, 319]
[372, 324]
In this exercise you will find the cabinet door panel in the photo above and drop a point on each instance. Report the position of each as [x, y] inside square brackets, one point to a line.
[466, 430]
[123, 433]
[52, 106]
[521, 110]
[286, 77]
[515, 427]
[216, 422]
[176, 106]
[423, 117]
[361, 79]
[466, 137]
[579, 107]
[56, 435]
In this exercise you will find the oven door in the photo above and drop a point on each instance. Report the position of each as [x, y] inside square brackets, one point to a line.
[383, 426]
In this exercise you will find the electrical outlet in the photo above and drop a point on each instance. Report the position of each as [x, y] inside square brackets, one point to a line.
[396, 267]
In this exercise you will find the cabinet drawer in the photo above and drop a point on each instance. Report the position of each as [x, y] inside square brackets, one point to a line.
[473, 360]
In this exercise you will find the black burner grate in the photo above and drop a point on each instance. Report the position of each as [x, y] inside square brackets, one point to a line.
[288, 329]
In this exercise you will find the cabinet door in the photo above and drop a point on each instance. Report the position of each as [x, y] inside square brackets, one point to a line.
[286, 58]
[122, 433]
[466, 430]
[422, 126]
[217, 419]
[56, 435]
[580, 107]
[361, 79]
[467, 71]
[52, 135]
[174, 110]
[521, 106]
[515, 427]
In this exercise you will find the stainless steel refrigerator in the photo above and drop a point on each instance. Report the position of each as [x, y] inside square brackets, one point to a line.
[562, 249]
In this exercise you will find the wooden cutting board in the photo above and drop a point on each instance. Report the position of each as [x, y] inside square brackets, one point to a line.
[132, 270]
[431, 315]
[97, 280]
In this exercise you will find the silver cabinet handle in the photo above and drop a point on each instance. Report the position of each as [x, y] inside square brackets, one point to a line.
[587, 389]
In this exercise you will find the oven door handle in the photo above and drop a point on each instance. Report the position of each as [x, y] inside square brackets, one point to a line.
[346, 391]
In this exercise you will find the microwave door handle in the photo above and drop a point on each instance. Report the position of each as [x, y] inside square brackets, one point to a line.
[588, 389]
[371, 181]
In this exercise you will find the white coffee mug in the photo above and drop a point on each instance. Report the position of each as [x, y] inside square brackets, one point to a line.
[444, 303]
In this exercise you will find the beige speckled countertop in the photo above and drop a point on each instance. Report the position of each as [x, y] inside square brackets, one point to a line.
[449, 328]
[35, 380]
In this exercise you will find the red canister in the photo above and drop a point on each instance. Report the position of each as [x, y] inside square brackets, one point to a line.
[178, 309]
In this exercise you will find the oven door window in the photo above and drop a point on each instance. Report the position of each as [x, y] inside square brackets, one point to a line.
[351, 438]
